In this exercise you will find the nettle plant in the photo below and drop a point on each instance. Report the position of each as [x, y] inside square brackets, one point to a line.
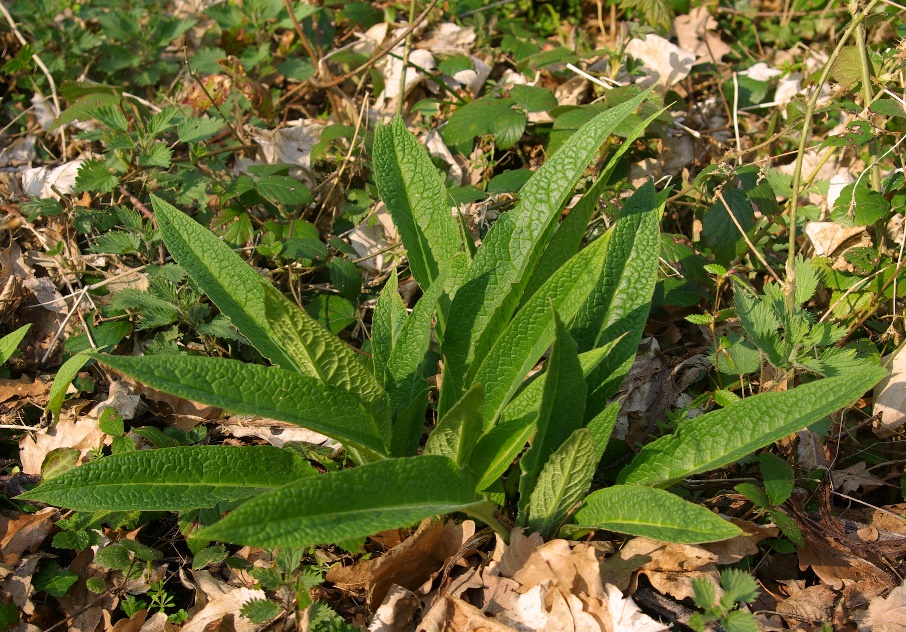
[494, 312]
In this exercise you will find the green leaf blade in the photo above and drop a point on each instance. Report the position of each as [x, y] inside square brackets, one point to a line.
[172, 479]
[724, 436]
[652, 513]
[352, 503]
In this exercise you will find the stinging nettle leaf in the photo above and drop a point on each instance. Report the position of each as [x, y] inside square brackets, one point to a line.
[172, 479]
[376, 496]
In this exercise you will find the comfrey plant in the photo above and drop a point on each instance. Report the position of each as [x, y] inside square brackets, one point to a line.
[528, 288]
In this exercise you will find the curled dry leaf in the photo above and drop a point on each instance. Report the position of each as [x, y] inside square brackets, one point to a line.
[218, 604]
[886, 614]
[24, 533]
[664, 63]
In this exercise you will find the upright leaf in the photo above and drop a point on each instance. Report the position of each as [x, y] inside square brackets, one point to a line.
[225, 278]
[498, 447]
[563, 482]
[10, 342]
[415, 196]
[619, 304]
[349, 504]
[172, 479]
[389, 317]
[562, 410]
[458, 432]
[652, 513]
[601, 427]
[318, 353]
[254, 389]
[532, 330]
[502, 266]
[726, 435]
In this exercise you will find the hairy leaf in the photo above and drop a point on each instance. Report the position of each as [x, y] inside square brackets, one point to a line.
[457, 434]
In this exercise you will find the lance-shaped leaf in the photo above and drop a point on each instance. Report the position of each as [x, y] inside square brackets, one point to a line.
[405, 372]
[318, 353]
[10, 342]
[652, 513]
[416, 198]
[601, 427]
[389, 317]
[568, 237]
[172, 479]
[258, 390]
[498, 447]
[563, 482]
[502, 266]
[620, 302]
[460, 429]
[352, 503]
[223, 276]
[562, 410]
[726, 435]
[532, 330]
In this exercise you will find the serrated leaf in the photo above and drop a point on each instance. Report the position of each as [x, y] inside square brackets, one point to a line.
[778, 477]
[562, 483]
[618, 307]
[172, 479]
[532, 98]
[208, 555]
[759, 323]
[349, 504]
[408, 183]
[459, 431]
[10, 342]
[225, 278]
[52, 579]
[113, 556]
[847, 68]
[740, 621]
[84, 104]
[95, 177]
[260, 610]
[724, 436]
[196, 129]
[111, 116]
[285, 190]
[859, 206]
[159, 155]
[699, 319]
[258, 390]
[500, 270]
[162, 120]
[739, 586]
[346, 277]
[652, 513]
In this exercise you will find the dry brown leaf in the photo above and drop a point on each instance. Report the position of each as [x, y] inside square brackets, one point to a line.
[696, 32]
[627, 616]
[24, 388]
[83, 606]
[732, 550]
[464, 617]
[121, 398]
[544, 607]
[79, 432]
[217, 604]
[276, 433]
[352, 578]
[890, 399]
[24, 533]
[573, 569]
[397, 612]
[135, 623]
[17, 585]
[669, 567]
[810, 605]
[416, 559]
[887, 614]
[855, 477]
[663, 62]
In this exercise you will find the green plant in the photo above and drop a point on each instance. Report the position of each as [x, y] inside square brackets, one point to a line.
[738, 588]
[528, 287]
[778, 487]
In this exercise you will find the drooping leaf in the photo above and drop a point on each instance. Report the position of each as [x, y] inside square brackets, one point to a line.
[352, 503]
[172, 479]
[652, 513]
[225, 278]
[562, 483]
[415, 196]
[258, 390]
[726, 435]
[501, 268]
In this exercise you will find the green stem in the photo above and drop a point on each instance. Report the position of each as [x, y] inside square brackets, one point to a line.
[484, 511]
[803, 142]
[867, 96]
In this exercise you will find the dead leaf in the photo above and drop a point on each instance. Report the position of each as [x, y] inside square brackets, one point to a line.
[888, 614]
[39, 182]
[24, 533]
[79, 432]
[513, 557]
[733, 550]
[416, 559]
[696, 32]
[855, 477]
[810, 605]
[18, 584]
[573, 569]
[627, 616]
[397, 612]
[122, 399]
[663, 62]
[24, 388]
[371, 239]
[84, 607]
[828, 237]
[890, 399]
[217, 604]
[276, 433]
